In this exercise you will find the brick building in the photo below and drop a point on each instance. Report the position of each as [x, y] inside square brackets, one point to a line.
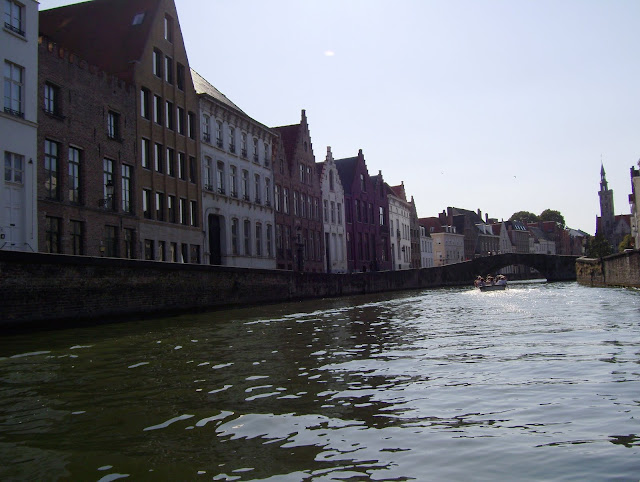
[140, 42]
[297, 197]
[366, 216]
[86, 160]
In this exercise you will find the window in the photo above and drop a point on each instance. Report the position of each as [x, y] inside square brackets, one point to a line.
[158, 157]
[149, 255]
[184, 215]
[208, 179]
[110, 241]
[162, 251]
[301, 172]
[74, 175]
[146, 203]
[51, 99]
[173, 252]
[295, 203]
[180, 120]
[277, 197]
[312, 251]
[14, 17]
[232, 139]
[247, 237]
[381, 216]
[267, 191]
[363, 186]
[184, 252]
[257, 188]
[245, 184]
[129, 243]
[77, 245]
[243, 144]
[51, 150]
[52, 234]
[13, 89]
[233, 178]
[168, 28]
[326, 210]
[13, 167]
[182, 167]
[180, 70]
[171, 208]
[331, 180]
[278, 236]
[191, 125]
[269, 237]
[169, 114]
[235, 226]
[193, 177]
[285, 200]
[219, 133]
[157, 109]
[160, 206]
[339, 213]
[145, 107]
[113, 125]
[195, 253]
[107, 177]
[267, 155]
[145, 152]
[220, 177]
[171, 162]
[127, 188]
[309, 207]
[138, 18]
[255, 149]
[287, 237]
[157, 63]
[303, 205]
[333, 212]
[206, 133]
[316, 213]
[168, 70]
[258, 239]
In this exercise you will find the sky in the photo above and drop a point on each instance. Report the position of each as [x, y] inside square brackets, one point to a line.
[497, 105]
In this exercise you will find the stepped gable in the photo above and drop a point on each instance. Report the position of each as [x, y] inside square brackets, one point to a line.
[103, 32]
[399, 192]
[346, 170]
[202, 86]
[289, 136]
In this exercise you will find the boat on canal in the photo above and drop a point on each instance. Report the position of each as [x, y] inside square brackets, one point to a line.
[491, 284]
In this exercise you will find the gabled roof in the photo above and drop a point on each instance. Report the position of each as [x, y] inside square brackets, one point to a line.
[103, 31]
[475, 218]
[289, 136]
[429, 223]
[399, 191]
[347, 171]
[202, 86]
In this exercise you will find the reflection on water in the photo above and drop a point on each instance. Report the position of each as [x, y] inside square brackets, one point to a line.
[537, 382]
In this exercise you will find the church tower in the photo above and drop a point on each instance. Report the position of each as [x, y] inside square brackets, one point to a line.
[607, 218]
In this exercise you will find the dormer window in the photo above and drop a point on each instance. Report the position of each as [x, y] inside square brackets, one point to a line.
[138, 18]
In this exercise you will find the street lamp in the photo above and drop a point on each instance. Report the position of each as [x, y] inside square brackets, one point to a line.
[108, 201]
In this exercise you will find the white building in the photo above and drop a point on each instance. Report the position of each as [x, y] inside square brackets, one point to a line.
[448, 246]
[400, 225]
[237, 179]
[18, 126]
[426, 249]
[335, 241]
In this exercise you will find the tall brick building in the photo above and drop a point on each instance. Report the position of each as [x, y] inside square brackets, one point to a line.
[140, 43]
[366, 216]
[297, 197]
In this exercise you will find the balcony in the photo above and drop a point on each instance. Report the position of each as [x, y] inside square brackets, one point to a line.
[232, 148]
[206, 137]
[14, 29]
[234, 193]
[208, 187]
[219, 142]
[15, 113]
[244, 153]
[245, 197]
[267, 203]
[258, 200]
[221, 190]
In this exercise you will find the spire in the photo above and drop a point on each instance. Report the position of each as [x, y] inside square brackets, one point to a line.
[603, 178]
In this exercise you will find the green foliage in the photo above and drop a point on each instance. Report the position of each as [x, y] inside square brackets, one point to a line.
[627, 243]
[552, 215]
[524, 217]
[598, 247]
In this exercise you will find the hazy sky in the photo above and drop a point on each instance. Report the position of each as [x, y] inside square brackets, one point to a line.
[498, 105]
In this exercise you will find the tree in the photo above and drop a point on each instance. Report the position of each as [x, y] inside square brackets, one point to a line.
[524, 217]
[598, 247]
[627, 243]
[552, 215]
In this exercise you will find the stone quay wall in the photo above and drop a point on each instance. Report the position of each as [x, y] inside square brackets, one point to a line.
[621, 269]
[50, 290]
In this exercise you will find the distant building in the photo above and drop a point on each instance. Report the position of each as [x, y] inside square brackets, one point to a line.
[400, 225]
[613, 228]
[416, 238]
[18, 126]
[448, 245]
[299, 230]
[335, 241]
[426, 248]
[237, 182]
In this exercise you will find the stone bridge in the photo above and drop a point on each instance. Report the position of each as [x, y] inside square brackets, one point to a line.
[552, 267]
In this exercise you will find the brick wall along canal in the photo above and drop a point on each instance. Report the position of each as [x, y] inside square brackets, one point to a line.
[538, 382]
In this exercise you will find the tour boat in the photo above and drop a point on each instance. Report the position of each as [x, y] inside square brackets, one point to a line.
[492, 287]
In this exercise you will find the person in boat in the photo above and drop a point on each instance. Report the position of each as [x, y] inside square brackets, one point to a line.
[501, 280]
[479, 281]
[489, 280]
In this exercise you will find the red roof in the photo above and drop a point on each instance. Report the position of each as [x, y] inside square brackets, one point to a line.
[429, 223]
[103, 32]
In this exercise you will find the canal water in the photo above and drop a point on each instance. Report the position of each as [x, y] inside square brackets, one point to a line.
[539, 382]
